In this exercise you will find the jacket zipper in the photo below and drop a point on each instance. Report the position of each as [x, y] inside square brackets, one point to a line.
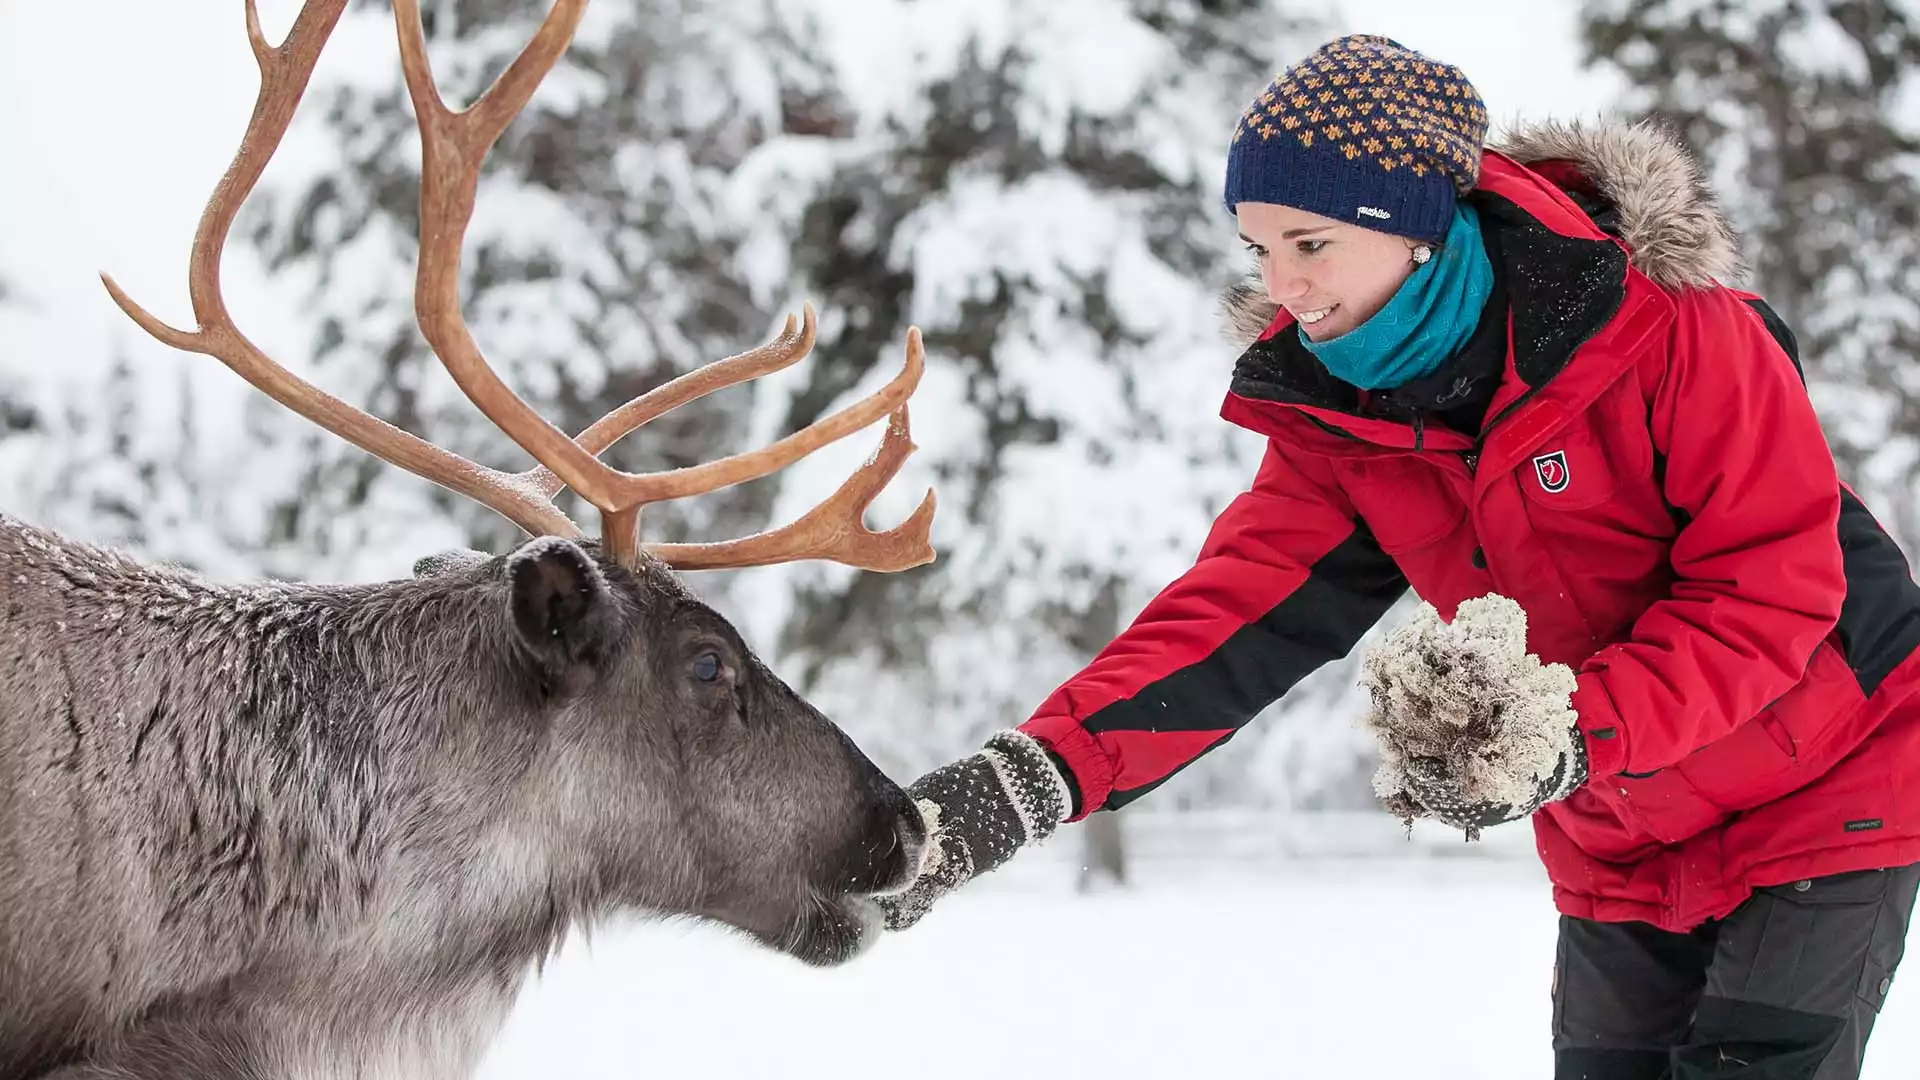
[1471, 458]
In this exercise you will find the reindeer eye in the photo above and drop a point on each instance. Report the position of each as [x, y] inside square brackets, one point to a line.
[706, 666]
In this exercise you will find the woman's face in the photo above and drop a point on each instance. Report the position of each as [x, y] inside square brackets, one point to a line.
[1330, 275]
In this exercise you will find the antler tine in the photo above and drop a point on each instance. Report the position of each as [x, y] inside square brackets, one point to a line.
[835, 529]
[639, 489]
[453, 146]
[285, 71]
[785, 350]
[635, 490]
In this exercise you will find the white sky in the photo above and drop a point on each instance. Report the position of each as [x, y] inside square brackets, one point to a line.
[116, 118]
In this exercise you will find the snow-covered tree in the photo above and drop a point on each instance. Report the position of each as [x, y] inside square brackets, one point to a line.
[107, 453]
[1037, 187]
[1806, 112]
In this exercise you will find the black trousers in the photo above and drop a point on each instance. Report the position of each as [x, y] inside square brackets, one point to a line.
[1786, 987]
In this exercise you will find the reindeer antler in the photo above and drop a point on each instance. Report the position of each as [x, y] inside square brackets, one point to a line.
[453, 147]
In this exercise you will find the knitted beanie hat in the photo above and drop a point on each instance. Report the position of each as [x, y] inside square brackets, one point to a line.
[1365, 131]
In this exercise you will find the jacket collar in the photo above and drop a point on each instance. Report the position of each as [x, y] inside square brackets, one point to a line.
[1568, 283]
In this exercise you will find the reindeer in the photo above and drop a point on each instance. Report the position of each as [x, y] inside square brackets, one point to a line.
[287, 830]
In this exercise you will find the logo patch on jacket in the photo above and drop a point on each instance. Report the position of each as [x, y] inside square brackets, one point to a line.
[1552, 471]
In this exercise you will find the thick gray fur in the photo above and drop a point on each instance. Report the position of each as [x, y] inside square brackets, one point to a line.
[299, 831]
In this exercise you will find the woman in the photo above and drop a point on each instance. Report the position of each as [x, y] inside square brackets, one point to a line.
[1513, 371]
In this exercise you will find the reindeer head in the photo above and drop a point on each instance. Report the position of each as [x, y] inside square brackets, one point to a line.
[644, 754]
[621, 746]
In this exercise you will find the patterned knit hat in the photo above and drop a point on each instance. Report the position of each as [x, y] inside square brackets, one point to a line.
[1365, 131]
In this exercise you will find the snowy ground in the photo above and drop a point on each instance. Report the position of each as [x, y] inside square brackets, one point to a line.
[1265, 961]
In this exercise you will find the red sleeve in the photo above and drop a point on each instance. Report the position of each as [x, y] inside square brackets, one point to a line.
[1759, 578]
[1286, 581]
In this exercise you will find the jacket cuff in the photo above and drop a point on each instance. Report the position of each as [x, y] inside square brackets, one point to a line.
[1089, 770]
[1605, 736]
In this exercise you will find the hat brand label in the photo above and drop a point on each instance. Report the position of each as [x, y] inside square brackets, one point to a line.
[1374, 212]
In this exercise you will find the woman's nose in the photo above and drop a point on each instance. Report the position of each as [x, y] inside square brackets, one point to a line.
[1285, 288]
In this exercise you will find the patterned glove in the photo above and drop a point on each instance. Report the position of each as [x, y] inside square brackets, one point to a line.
[1431, 790]
[979, 811]
[1473, 729]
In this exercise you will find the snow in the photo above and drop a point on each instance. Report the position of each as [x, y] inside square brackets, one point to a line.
[1432, 962]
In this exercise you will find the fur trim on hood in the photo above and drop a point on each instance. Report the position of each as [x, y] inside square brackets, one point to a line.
[1669, 218]
[1670, 221]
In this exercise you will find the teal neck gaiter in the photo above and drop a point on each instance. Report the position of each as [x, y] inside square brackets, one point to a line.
[1426, 322]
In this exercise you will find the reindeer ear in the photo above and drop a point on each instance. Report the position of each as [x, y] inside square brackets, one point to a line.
[561, 605]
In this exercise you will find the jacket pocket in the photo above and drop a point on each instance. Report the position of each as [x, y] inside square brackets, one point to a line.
[1788, 744]
[1820, 707]
[1663, 804]
[1404, 502]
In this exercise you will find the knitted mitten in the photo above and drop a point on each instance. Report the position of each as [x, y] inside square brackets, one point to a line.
[979, 811]
[1473, 729]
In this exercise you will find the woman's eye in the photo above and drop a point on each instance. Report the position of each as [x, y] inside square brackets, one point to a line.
[1258, 251]
[1311, 247]
[707, 666]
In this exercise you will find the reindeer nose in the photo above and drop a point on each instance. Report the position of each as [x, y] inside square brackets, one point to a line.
[894, 841]
[910, 824]
[911, 829]
[908, 847]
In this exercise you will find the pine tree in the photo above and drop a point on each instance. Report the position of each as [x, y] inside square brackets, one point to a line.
[1045, 204]
[116, 456]
[1801, 108]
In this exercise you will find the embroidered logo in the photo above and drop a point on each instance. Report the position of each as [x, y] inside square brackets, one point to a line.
[1374, 212]
[1552, 471]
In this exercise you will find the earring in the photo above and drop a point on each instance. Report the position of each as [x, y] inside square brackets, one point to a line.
[1422, 254]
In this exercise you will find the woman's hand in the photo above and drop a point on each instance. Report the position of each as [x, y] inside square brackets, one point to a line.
[979, 811]
[1473, 729]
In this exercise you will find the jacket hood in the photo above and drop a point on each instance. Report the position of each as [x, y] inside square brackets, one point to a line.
[1668, 219]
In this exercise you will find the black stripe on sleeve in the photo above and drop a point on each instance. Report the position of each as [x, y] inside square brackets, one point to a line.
[1346, 592]
[1880, 618]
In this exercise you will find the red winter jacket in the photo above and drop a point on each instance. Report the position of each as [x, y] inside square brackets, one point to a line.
[1650, 483]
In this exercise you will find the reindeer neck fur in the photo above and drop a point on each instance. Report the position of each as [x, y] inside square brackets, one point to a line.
[217, 786]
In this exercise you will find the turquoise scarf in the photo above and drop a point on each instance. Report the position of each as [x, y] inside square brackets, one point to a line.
[1426, 322]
